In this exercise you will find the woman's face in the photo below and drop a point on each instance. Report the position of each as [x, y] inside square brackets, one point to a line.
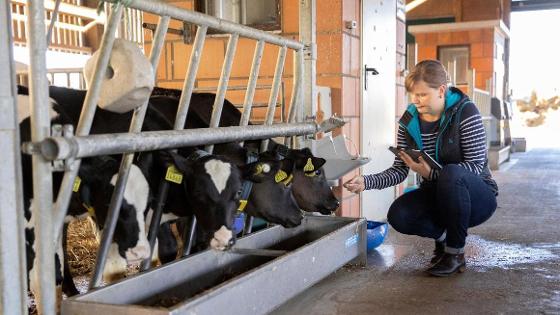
[428, 100]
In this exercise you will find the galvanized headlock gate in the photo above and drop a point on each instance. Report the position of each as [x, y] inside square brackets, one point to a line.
[50, 215]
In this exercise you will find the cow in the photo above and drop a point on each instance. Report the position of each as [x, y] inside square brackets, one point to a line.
[70, 102]
[270, 199]
[98, 175]
[95, 176]
[310, 187]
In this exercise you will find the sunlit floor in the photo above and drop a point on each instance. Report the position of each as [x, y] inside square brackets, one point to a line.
[513, 260]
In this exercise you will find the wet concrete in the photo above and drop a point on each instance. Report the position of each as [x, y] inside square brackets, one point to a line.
[513, 260]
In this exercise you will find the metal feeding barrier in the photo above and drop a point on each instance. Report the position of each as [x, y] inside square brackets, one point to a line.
[49, 213]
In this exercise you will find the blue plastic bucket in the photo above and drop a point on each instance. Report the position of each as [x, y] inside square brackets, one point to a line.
[376, 233]
[238, 223]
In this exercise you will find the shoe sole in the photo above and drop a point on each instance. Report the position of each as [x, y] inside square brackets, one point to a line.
[461, 269]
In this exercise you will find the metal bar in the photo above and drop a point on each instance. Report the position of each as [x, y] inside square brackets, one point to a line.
[180, 119]
[252, 84]
[155, 223]
[86, 117]
[56, 148]
[248, 228]
[182, 111]
[297, 86]
[42, 180]
[258, 252]
[54, 15]
[222, 86]
[225, 26]
[116, 198]
[13, 288]
[274, 92]
[188, 86]
[189, 236]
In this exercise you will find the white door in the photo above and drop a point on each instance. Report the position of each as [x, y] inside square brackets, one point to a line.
[378, 99]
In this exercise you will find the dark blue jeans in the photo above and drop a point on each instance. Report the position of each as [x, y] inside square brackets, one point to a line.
[458, 200]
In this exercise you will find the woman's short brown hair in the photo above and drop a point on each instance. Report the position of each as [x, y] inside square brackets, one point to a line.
[430, 71]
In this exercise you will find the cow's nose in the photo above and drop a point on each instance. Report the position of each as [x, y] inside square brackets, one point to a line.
[336, 204]
[138, 252]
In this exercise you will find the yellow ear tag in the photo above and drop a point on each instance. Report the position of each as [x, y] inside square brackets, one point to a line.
[173, 175]
[280, 176]
[288, 180]
[309, 166]
[77, 183]
[90, 209]
[242, 205]
[259, 169]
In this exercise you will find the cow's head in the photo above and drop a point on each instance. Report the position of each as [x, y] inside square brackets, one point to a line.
[212, 185]
[271, 197]
[310, 186]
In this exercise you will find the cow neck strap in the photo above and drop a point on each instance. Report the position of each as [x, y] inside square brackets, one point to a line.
[198, 154]
[86, 200]
[282, 151]
[252, 156]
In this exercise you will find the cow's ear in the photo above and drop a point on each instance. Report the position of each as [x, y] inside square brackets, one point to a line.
[259, 171]
[182, 164]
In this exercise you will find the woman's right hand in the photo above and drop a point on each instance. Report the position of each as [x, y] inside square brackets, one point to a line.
[355, 185]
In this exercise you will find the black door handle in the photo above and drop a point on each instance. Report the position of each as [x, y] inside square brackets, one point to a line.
[367, 70]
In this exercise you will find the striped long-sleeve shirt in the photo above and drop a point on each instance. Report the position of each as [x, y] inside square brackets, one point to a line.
[473, 148]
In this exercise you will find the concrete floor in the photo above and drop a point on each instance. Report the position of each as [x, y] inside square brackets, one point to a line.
[513, 260]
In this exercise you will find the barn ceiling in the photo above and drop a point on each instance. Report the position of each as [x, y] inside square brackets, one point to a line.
[532, 5]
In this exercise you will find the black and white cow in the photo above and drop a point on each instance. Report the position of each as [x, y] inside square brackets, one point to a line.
[310, 187]
[97, 177]
[270, 199]
[207, 174]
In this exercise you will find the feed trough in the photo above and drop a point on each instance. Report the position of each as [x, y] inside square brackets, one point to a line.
[269, 267]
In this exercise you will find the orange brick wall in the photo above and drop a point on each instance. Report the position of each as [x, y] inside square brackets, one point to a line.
[480, 41]
[338, 65]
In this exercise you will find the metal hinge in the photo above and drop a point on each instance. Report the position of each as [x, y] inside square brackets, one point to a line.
[310, 51]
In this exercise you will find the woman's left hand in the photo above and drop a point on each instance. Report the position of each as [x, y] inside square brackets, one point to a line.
[421, 167]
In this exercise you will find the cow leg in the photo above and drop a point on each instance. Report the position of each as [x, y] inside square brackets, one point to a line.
[167, 245]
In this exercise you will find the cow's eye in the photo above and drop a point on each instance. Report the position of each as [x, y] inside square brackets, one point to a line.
[317, 172]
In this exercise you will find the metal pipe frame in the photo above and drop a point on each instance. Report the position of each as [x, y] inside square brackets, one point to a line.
[126, 163]
[13, 288]
[222, 86]
[86, 117]
[84, 145]
[42, 180]
[295, 101]
[57, 148]
[225, 26]
[251, 86]
[274, 92]
[180, 119]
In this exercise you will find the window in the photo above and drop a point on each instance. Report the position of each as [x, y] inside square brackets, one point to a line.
[261, 14]
[456, 61]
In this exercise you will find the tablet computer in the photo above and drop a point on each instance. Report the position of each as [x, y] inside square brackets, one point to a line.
[415, 154]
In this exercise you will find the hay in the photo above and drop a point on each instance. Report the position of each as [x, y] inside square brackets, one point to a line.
[82, 242]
